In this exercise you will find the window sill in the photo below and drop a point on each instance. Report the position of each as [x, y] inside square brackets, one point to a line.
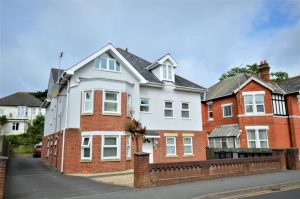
[171, 156]
[189, 155]
[87, 114]
[128, 158]
[111, 160]
[85, 161]
[210, 120]
[227, 117]
[145, 112]
[186, 118]
[111, 114]
[169, 117]
[105, 70]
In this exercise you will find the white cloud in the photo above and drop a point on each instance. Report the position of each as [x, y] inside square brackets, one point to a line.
[206, 37]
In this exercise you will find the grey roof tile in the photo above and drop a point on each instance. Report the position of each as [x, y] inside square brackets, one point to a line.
[290, 85]
[20, 99]
[141, 66]
[226, 87]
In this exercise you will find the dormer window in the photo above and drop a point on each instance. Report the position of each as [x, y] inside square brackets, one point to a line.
[107, 62]
[167, 72]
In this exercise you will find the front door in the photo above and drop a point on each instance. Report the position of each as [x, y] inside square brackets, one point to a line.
[148, 148]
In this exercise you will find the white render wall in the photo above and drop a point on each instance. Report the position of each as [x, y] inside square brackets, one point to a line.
[88, 78]
[155, 119]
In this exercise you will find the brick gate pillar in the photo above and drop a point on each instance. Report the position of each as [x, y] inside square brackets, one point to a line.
[281, 154]
[141, 170]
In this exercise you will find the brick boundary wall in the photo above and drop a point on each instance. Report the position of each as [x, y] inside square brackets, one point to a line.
[149, 175]
[3, 161]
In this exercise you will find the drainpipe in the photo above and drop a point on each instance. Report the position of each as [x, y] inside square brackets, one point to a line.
[289, 123]
[64, 132]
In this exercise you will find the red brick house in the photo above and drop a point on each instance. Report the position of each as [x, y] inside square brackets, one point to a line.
[245, 111]
[88, 106]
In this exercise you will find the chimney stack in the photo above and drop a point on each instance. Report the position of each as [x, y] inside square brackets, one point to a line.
[264, 71]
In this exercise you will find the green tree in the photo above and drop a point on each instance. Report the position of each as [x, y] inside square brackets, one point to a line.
[42, 95]
[278, 76]
[3, 120]
[254, 70]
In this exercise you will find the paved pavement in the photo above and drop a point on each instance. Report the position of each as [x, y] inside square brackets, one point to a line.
[29, 178]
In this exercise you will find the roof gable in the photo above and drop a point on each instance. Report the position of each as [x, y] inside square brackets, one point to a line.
[256, 80]
[111, 49]
[161, 61]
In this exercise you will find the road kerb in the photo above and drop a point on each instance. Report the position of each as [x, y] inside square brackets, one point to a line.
[248, 190]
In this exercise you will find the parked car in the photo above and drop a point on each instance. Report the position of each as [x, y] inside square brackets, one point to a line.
[37, 151]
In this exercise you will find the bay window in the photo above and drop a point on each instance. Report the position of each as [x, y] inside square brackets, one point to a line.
[111, 102]
[86, 145]
[110, 147]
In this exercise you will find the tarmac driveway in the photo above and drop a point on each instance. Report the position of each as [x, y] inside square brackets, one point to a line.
[28, 177]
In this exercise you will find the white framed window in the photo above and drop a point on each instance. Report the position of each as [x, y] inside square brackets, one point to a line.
[188, 145]
[171, 146]
[111, 102]
[110, 147]
[223, 142]
[145, 105]
[129, 105]
[257, 138]
[22, 111]
[108, 63]
[15, 126]
[87, 106]
[167, 72]
[227, 110]
[86, 147]
[185, 110]
[210, 111]
[169, 109]
[128, 146]
[254, 102]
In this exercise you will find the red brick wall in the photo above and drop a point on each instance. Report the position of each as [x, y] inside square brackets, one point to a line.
[53, 159]
[218, 119]
[147, 175]
[99, 122]
[2, 175]
[278, 133]
[199, 144]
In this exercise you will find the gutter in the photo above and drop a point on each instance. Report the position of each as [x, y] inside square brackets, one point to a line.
[64, 131]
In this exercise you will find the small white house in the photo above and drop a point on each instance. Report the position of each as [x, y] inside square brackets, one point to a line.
[20, 109]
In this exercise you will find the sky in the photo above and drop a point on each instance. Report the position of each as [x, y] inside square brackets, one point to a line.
[205, 37]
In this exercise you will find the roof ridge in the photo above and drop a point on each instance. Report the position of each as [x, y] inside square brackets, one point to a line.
[133, 54]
